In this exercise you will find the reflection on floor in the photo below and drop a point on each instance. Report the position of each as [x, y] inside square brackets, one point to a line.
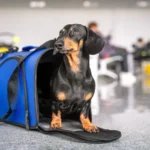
[126, 109]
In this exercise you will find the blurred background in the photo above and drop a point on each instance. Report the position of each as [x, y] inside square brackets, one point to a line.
[121, 70]
[36, 21]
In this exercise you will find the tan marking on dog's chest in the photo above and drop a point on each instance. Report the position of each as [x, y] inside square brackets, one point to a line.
[88, 96]
[74, 61]
[73, 58]
[61, 96]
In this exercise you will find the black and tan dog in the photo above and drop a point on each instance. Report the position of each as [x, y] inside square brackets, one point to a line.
[72, 84]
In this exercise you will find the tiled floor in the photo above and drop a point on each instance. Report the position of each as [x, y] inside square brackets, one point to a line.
[123, 108]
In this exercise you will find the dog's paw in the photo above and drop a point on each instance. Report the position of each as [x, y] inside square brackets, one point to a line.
[91, 128]
[56, 125]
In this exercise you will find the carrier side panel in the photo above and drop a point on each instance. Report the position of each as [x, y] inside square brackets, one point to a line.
[18, 116]
[7, 67]
[30, 71]
[11, 87]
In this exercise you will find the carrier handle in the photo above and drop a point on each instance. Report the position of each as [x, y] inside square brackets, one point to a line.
[13, 49]
[29, 48]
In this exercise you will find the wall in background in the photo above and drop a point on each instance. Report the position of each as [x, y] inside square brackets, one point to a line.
[37, 26]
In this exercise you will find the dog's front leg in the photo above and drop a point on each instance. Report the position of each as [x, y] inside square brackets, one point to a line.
[56, 116]
[84, 118]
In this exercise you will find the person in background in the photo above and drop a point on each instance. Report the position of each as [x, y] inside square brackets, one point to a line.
[140, 43]
[141, 50]
[110, 50]
[148, 45]
[94, 27]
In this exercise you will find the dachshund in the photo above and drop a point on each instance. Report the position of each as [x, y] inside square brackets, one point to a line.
[72, 83]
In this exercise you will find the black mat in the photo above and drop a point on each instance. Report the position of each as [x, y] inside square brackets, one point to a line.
[75, 130]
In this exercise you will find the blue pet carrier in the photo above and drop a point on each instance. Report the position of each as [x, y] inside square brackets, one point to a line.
[24, 89]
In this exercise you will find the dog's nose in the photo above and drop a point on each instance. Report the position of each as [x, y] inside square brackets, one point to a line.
[59, 44]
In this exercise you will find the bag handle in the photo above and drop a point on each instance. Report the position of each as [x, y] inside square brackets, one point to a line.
[29, 48]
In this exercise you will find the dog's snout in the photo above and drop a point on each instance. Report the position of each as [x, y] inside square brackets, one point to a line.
[59, 45]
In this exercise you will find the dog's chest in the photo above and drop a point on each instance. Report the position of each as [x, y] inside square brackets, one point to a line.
[72, 91]
[75, 98]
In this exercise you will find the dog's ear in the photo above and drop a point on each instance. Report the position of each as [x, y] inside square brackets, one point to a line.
[93, 43]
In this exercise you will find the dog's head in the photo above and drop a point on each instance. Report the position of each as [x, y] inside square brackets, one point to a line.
[76, 37]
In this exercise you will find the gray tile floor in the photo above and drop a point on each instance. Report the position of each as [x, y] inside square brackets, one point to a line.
[123, 108]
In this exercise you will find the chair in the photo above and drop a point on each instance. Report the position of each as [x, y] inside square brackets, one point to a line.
[104, 66]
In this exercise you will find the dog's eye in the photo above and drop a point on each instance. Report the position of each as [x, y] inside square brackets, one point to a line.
[61, 33]
[75, 32]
